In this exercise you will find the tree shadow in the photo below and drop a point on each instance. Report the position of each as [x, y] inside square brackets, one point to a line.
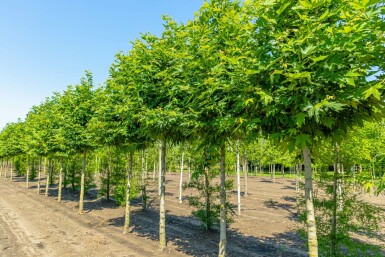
[186, 234]
[270, 181]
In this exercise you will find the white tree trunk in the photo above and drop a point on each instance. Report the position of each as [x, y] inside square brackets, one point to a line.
[310, 217]
[181, 179]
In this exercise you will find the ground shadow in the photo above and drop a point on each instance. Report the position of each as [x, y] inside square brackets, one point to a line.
[189, 237]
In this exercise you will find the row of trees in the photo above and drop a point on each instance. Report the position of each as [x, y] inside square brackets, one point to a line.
[299, 72]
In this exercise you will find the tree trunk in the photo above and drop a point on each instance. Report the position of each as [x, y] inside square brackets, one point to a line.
[207, 199]
[273, 172]
[246, 171]
[333, 233]
[12, 163]
[39, 175]
[65, 175]
[143, 184]
[238, 184]
[154, 171]
[27, 175]
[222, 229]
[189, 171]
[60, 180]
[6, 169]
[109, 174]
[127, 220]
[47, 175]
[82, 182]
[160, 170]
[162, 209]
[310, 217]
[181, 179]
[339, 188]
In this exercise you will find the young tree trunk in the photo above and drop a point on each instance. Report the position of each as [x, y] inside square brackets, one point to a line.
[162, 209]
[333, 232]
[39, 175]
[339, 188]
[6, 169]
[246, 171]
[65, 174]
[273, 172]
[51, 172]
[82, 180]
[238, 184]
[222, 229]
[181, 179]
[310, 217]
[189, 171]
[12, 163]
[109, 174]
[207, 199]
[154, 171]
[27, 175]
[126, 228]
[143, 184]
[160, 170]
[47, 175]
[60, 180]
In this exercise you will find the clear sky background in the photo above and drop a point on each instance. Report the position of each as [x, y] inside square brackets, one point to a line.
[47, 45]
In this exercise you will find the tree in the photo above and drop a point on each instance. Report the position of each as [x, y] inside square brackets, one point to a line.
[313, 59]
[77, 107]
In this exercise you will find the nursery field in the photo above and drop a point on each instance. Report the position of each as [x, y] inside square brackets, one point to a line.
[33, 225]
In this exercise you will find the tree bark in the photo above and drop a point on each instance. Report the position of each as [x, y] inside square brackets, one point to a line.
[127, 220]
[12, 163]
[238, 184]
[189, 171]
[108, 174]
[27, 175]
[6, 169]
[162, 209]
[222, 229]
[82, 180]
[47, 175]
[181, 179]
[333, 232]
[207, 198]
[160, 169]
[246, 171]
[310, 217]
[143, 184]
[60, 180]
[39, 175]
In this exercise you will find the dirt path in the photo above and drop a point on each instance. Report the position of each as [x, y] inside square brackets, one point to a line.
[32, 225]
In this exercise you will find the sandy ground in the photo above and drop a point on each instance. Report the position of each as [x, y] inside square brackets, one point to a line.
[34, 225]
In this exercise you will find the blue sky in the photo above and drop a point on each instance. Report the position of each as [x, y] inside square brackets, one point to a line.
[47, 45]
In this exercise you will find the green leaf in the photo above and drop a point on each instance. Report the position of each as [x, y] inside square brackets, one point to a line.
[303, 140]
[319, 58]
[353, 74]
[350, 81]
[300, 118]
[282, 8]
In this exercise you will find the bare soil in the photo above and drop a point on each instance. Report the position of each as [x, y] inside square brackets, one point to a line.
[35, 225]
